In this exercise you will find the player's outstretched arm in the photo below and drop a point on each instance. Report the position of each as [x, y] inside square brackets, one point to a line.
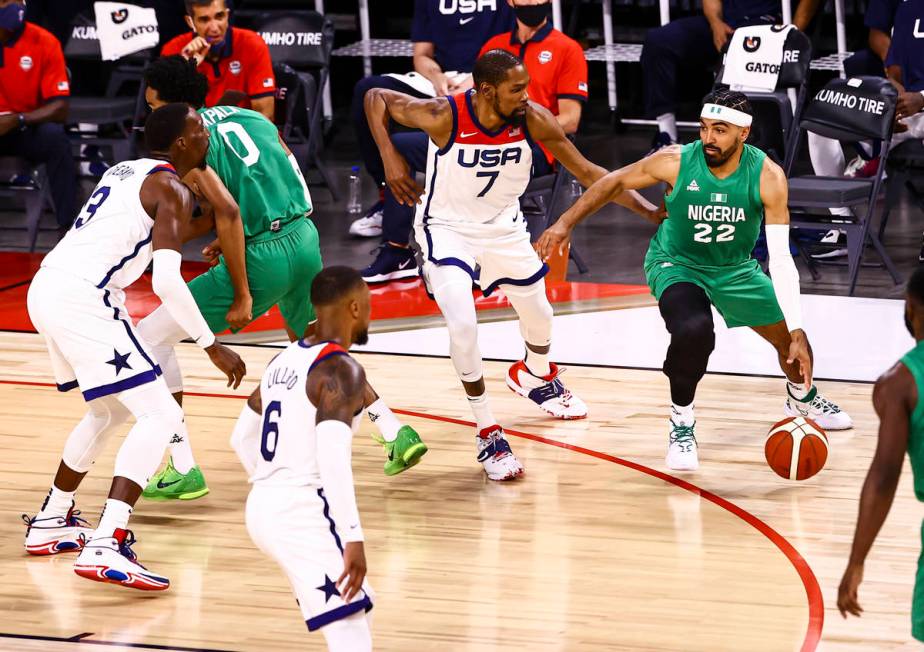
[169, 203]
[894, 398]
[336, 387]
[247, 431]
[433, 116]
[545, 128]
[230, 231]
[664, 166]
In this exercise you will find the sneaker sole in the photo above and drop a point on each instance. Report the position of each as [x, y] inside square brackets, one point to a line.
[366, 234]
[837, 253]
[519, 392]
[107, 575]
[410, 458]
[191, 495]
[392, 276]
[507, 478]
[54, 548]
[792, 413]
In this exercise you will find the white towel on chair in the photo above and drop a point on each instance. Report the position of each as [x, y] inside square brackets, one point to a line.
[423, 85]
[754, 56]
[124, 29]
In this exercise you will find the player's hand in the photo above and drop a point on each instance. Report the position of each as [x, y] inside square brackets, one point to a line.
[241, 312]
[397, 175]
[656, 215]
[847, 591]
[196, 49]
[354, 570]
[721, 32]
[799, 350]
[211, 252]
[908, 105]
[555, 238]
[229, 362]
[440, 84]
[461, 86]
[8, 123]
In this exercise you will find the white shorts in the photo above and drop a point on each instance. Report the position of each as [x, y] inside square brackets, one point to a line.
[90, 337]
[292, 526]
[490, 254]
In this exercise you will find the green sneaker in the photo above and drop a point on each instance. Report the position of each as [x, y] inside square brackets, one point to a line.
[170, 484]
[404, 452]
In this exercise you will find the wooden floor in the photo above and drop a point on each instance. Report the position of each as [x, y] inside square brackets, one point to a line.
[584, 553]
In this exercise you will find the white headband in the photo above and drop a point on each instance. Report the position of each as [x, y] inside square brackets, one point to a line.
[726, 114]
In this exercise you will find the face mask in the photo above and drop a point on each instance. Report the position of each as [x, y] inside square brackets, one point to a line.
[532, 15]
[12, 17]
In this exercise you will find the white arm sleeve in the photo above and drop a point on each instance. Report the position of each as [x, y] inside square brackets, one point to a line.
[245, 438]
[784, 274]
[335, 439]
[301, 179]
[169, 285]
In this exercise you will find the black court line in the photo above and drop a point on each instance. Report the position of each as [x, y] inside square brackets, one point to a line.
[82, 639]
[15, 285]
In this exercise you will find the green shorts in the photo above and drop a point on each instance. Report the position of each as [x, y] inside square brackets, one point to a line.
[742, 294]
[280, 269]
[917, 601]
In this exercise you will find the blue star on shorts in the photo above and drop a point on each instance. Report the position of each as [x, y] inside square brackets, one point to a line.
[329, 588]
[119, 361]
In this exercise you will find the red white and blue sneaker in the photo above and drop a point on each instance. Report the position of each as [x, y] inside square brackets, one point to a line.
[54, 534]
[546, 391]
[495, 455]
[111, 559]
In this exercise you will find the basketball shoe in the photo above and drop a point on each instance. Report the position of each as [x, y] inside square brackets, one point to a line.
[53, 534]
[681, 449]
[817, 408]
[171, 484]
[546, 391]
[112, 560]
[495, 455]
[404, 452]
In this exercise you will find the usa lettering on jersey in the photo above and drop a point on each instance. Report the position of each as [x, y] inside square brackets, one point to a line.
[450, 7]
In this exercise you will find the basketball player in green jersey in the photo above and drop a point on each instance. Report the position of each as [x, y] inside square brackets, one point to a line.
[248, 161]
[898, 398]
[700, 257]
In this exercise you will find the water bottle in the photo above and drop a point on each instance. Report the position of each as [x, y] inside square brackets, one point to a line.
[576, 189]
[354, 202]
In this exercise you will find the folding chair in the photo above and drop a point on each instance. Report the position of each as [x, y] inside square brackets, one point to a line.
[35, 196]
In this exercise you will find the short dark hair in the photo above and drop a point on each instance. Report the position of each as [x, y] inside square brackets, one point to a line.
[492, 67]
[176, 80]
[732, 99]
[915, 288]
[202, 3]
[164, 126]
[333, 283]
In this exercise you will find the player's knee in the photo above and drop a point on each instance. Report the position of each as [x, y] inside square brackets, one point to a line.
[696, 332]
[463, 333]
[350, 634]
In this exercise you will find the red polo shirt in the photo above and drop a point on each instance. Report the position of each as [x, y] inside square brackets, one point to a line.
[32, 71]
[243, 65]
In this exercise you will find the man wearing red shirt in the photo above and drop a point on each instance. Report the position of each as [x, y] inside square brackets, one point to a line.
[236, 61]
[33, 104]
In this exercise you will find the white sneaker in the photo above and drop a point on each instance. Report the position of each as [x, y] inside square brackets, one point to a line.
[681, 449]
[547, 392]
[495, 455]
[370, 224]
[819, 409]
[111, 559]
[54, 534]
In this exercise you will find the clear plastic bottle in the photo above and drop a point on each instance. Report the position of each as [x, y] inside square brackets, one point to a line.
[576, 189]
[354, 201]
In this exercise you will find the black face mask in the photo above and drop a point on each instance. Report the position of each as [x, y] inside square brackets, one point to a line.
[532, 15]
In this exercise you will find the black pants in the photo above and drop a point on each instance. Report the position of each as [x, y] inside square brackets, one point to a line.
[48, 143]
[687, 313]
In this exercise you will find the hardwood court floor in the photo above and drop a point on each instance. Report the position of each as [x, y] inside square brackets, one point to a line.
[584, 553]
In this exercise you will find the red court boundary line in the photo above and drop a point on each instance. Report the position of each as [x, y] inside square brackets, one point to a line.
[810, 582]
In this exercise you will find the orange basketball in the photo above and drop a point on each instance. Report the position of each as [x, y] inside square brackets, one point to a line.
[796, 448]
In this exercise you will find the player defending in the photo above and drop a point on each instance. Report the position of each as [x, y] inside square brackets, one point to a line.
[897, 400]
[470, 228]
[294, 438]
[248, 164]
[76, 301]
[700, 257]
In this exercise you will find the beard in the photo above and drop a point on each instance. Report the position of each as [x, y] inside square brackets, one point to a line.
[717, 160]
[361, 337]
[514, 119]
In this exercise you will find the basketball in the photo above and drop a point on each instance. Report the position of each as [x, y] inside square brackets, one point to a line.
[796, 448]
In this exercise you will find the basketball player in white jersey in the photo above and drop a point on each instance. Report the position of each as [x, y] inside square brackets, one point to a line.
[138, 212]
[469, 227]
[294, 438]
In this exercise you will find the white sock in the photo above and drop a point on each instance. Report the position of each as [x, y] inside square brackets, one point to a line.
[115, 516]
[798, 390]
[58, 503]
[667, 122]
[682, 415]
[181, 451]
[384, 419]
[537, 363]
[484, 418]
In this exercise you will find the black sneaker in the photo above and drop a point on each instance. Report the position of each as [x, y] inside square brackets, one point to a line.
[391, 263]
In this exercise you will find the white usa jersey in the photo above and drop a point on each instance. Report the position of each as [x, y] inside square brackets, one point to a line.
[110, 242]
[479, 176]
[288, 441]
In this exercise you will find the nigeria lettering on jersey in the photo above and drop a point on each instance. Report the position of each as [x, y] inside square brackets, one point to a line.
[490, 158]
[449, 7]
[217, 113]
[712, 213]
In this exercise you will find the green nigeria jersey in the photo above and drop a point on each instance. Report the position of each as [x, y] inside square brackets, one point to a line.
[712, 222]
[914, 360]
[245, 152]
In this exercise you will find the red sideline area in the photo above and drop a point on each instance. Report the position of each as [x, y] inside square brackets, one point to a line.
[398, 299]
